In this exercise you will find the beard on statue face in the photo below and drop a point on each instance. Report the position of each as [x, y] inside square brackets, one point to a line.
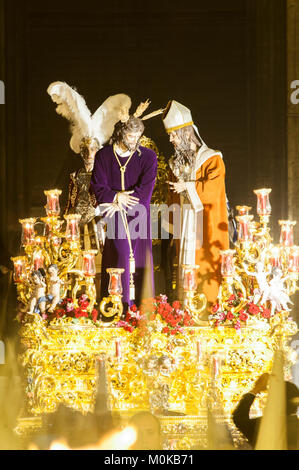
[130, 140]
[183, 153]
[185, 146]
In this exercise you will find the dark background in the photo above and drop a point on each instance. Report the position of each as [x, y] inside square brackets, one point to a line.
[224, 59]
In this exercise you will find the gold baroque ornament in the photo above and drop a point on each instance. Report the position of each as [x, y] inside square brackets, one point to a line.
[179, 370]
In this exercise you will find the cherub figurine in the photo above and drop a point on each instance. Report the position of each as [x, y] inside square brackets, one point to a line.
[54, 286]
[37, 302]
[261, 275]
[277, 294]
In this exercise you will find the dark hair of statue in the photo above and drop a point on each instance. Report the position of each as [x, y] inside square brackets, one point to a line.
[122, 128]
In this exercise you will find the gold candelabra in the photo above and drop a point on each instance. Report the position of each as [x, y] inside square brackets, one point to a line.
[115, 297]
[194, 302]
[53, 247]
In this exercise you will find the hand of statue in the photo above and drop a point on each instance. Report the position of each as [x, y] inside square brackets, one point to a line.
[261, 384]
[125, 200]
[109, 209]
[178, 187]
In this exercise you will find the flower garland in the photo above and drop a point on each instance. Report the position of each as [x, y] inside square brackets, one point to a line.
[154, 314]
[237, 320]
[172, 318]
[66, 308]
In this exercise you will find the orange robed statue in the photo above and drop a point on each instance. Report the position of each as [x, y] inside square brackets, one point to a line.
[200, 174]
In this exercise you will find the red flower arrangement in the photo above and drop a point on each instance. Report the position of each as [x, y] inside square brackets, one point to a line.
[227, 317]
[66, 308]
[173, 317]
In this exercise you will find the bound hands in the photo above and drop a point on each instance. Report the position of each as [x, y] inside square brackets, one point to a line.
[122, 201]
[178, 187]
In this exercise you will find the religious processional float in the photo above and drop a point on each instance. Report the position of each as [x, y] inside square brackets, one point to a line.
[159, 356]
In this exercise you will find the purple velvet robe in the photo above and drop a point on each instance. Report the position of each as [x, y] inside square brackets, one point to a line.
[140, 177]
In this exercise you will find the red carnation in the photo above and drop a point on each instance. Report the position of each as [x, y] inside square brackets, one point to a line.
[232, 297]
[243, 315]
[215, 308]
[84, 304]
[94, 314]
[165, 330]
[266, 313]
[168, 308]
[176, 304]
[253, 309]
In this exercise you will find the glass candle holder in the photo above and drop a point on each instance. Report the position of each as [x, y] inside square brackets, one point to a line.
[189, 277]
[275, 257]
[287, 232]
[28, 233]
[115, 285]
[243, 210]
[263, 203]
[89, 264]
[53, 206]
[293, 259]
[227, 263]
[243, 227]
[20, 273]
[72, 231]
[38, 260]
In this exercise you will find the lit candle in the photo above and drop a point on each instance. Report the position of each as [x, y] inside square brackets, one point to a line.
[28, 234]
[243, 210]
[89, 266]
[38, 260]
[114, 282]
[287, 232]
[243, 227]
[72, 232]
[19, 269]
[115, 286]
[294, 259]
[227, 263]
[53, 207]
[275, 259]
[263, 203]
[189, 277]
